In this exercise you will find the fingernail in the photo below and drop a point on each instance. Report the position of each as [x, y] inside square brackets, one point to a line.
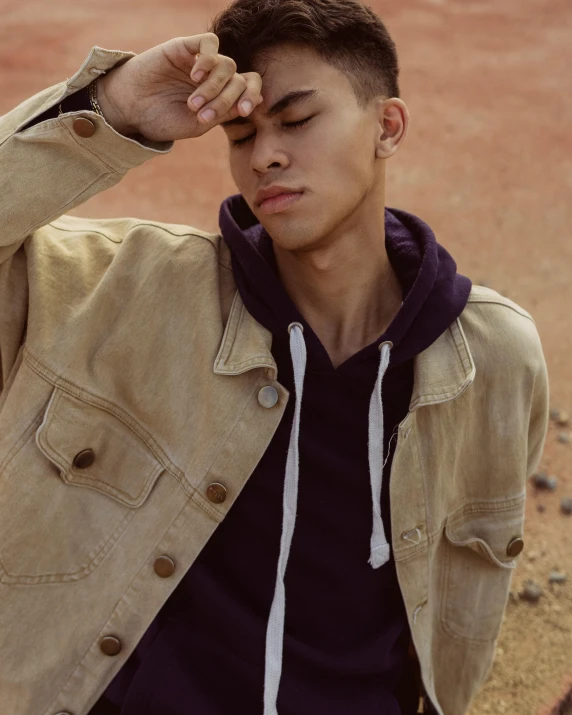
[246, 106]
[208, 115]
[198, 102]
[198, 76]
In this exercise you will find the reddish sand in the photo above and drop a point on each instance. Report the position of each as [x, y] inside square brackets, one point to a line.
[487, 163]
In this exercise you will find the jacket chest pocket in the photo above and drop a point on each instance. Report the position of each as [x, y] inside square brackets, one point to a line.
[69, 490]
[480, 547]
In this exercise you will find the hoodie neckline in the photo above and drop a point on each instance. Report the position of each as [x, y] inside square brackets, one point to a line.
[432, 289]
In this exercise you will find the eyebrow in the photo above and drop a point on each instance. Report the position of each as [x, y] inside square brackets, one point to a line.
[299, 97]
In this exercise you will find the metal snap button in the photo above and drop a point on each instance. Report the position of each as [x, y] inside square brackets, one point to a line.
[216, 493]
[268, 396]
[110, 645]
[83, 127]
[84, 459]
[164, 566]
[515, 546]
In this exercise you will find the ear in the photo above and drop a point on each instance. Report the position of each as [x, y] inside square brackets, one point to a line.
[393, 122]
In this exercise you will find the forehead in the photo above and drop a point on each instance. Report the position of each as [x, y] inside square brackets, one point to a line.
[287, 67]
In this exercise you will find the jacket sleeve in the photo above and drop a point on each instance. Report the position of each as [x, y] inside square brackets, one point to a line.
[47, 169]
[539, 412]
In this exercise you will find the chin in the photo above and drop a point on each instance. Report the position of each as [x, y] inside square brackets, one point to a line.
[291, 235]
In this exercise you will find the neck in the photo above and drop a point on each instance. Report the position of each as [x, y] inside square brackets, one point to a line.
[346, 287]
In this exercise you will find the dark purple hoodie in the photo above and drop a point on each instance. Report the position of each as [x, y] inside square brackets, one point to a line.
[346, 633]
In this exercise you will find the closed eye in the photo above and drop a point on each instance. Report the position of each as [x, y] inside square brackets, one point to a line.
[289, 125]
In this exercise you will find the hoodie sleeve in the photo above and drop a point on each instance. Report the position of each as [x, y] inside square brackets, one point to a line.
[47, 169]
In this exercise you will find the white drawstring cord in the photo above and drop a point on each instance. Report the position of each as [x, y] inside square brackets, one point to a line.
[379, 548]
[275, 629]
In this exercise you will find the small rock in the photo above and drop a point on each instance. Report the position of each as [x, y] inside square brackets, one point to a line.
[564, 437]
[566, 506]
[552, 483]
[557, 577]
[531, 591]
[532, 555]
[554, 413]
[540, 507]
[562, 419]
[540, 480]
[514, 596]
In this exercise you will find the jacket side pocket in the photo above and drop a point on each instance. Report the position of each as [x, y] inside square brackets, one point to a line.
[477, 567]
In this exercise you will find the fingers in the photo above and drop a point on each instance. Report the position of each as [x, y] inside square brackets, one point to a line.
[221, 73]
[219, 97]
[205, 47]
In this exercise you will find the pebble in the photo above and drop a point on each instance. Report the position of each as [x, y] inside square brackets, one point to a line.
[562, 419]
[514, 596]
[554, 413]
[532, 555]
[540, 507]
[566, 505]
[564, 437]
[531, 591]
[557, 577]
[541, 480]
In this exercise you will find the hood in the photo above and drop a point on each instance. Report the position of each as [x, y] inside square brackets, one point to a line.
[434, 296]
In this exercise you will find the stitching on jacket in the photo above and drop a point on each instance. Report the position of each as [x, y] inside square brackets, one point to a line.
[111, 491]
[84, 570]
[206, 506]
[499, 301]
[57, 214]
[113, 609]
[486, 506]
[82, 395]
[71, 230]
[121, 172]
[460, 339]
[198, 496]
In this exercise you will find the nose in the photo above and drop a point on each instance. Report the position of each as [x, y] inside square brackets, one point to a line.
[267, 154]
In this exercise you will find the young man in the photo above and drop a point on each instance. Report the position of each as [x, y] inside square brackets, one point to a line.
[256, 471]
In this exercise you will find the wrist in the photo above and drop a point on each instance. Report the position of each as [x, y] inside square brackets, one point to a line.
[110, 108]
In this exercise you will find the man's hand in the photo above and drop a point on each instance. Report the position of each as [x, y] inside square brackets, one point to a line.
[151, 94]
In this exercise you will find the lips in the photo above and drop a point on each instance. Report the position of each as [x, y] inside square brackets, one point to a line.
[282, 202]
[273, 191]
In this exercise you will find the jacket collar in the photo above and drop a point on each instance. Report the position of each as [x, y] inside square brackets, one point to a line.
[441, 372]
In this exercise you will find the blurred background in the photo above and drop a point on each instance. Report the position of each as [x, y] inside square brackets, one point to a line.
[487, 164]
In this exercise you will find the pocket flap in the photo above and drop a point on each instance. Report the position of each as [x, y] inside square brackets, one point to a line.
[488, 529]
[124, 467]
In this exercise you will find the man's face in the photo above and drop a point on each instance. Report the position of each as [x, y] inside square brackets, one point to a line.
[331, 158]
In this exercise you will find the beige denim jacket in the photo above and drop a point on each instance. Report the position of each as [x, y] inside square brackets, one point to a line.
[125, 341]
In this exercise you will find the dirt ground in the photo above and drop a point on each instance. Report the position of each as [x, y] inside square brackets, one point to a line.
[487, 163]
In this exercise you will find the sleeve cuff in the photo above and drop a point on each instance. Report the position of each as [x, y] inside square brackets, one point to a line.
[117, 151]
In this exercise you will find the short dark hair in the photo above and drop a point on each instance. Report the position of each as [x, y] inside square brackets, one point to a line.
[345, 33]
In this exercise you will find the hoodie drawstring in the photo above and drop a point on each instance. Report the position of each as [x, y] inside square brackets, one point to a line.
[379, 548]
